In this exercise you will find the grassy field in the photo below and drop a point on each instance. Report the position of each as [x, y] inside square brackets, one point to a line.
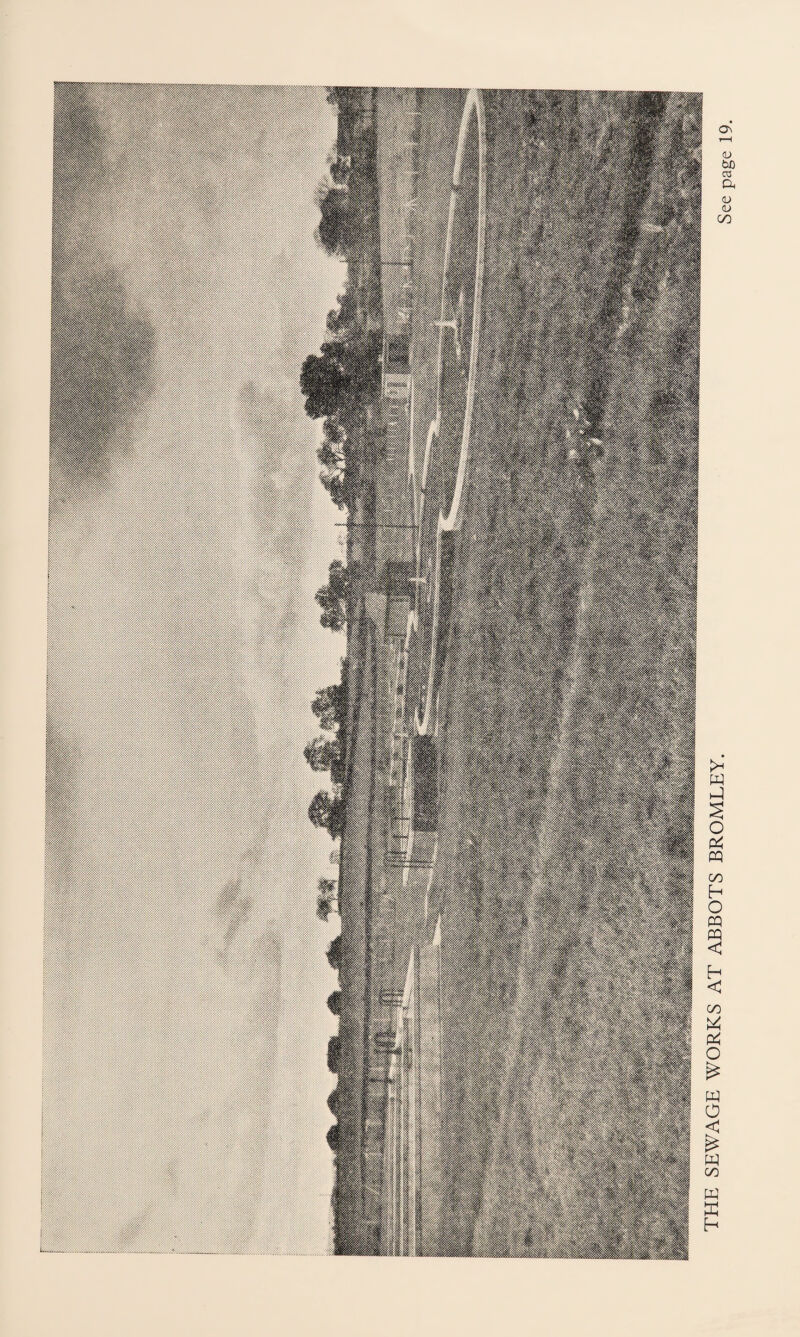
[565, 841]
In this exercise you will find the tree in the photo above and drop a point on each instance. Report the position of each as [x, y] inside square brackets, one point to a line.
[334, 434]
[334, 953]
[327, 811]
[330, 458]
[333, 614]
[340, 96]
[334, 1050]
[344, 373]
[335, 231]
[338, 767]
[339, 168]
[320, 752]
[361, 356]
[333, 1101]
[340, 318]
[332, 1137]
[324, 382]
[335, 1005]
[338, 579]
[334, 484]
[330, 706]
[331, 455]
[332, 598]
[326, 897]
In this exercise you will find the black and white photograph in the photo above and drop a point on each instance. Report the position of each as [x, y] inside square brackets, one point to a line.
[371, 656]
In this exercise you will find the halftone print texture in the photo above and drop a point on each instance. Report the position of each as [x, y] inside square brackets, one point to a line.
[372, 671]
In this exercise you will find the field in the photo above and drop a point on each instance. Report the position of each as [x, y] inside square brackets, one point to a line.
[564, 866]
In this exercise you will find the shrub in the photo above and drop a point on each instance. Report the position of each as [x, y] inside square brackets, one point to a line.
[334, 1050]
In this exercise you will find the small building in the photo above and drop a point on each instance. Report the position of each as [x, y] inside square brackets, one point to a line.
[396, 367]
[425, 813]
[398, 589]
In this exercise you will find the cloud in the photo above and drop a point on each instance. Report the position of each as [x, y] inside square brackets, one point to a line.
[132, 1229]
[279, 463]
[214, 1186]
[233, 910]
[284, 459]
[78, 158]
[205, 1194]
[259, 412]
[103, 350]
[62, 789]
[62, 762]
[103, 360]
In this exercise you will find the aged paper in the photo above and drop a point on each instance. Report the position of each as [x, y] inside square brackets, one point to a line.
[742, 1227]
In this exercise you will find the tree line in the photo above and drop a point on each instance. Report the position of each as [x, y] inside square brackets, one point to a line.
[337, 383]
[326, 752]
[338, 380]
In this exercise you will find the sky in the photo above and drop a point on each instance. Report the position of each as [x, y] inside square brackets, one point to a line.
[186, 1023]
